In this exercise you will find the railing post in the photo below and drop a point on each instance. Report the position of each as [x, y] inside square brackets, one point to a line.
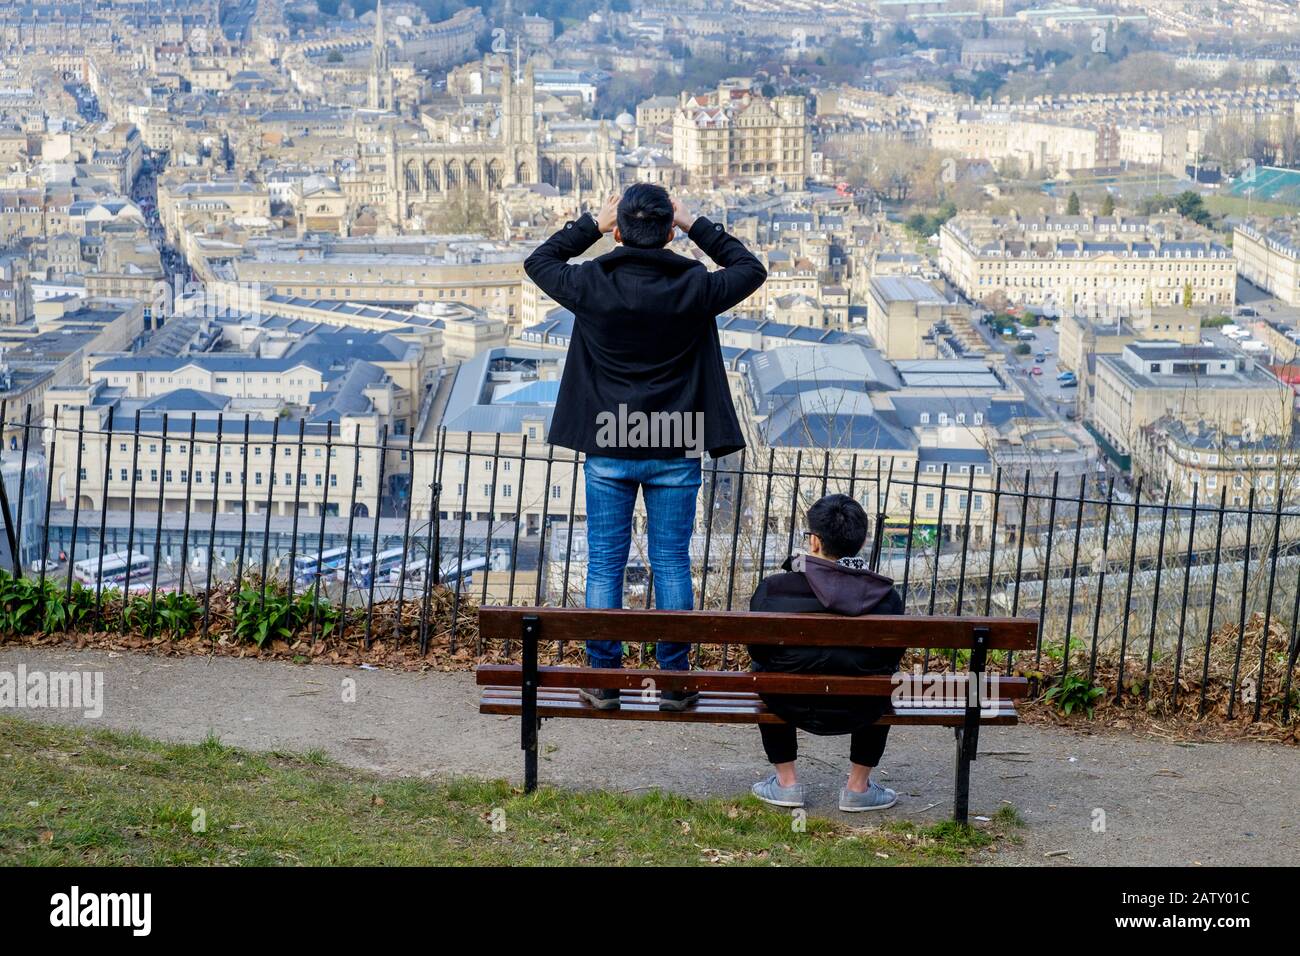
[528, 699]
[4, 500]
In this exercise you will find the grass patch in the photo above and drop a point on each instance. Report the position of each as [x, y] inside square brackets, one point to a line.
[107, 798]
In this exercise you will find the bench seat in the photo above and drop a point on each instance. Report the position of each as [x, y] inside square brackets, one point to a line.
[714, 707]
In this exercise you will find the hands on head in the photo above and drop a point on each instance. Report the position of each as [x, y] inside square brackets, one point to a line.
[607, 215]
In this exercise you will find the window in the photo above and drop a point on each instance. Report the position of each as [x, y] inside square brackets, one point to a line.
[334, 481]
[81, 473]
[123, 473]
[505, 491]
[929, 501]
[318, 480]
[229, 480]
[257, 478]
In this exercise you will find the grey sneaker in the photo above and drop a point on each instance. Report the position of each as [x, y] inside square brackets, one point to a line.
[876, 797]
[602, 698]
[678, 699]
[769, 791]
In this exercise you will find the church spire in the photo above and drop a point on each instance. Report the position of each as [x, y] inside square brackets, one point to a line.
[381, 80]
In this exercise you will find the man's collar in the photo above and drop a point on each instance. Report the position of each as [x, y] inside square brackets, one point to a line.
[662, 258]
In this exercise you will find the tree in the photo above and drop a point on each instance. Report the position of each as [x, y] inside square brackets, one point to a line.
[1108, 205]
[465, 212]
[1187, 295]
[1072, 205]
[1190, 205]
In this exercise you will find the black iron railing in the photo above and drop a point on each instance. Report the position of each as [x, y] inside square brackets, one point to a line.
[1133, 587]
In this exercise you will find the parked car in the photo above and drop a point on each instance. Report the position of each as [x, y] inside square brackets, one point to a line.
[1070, 383]
[1036, 370]
[1063, 376]
[1040, 357]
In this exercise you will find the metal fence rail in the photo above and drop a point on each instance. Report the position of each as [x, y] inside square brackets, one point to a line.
[1127, 586]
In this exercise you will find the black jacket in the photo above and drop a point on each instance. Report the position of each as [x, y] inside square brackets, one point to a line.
[645, 339]
[821, 586]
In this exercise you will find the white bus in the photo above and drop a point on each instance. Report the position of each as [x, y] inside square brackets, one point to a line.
[307, 566]
[113, 572]
[381, 563]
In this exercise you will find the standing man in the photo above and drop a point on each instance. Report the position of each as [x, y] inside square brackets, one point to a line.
[644, 392]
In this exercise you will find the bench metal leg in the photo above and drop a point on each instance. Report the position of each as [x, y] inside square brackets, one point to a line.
[528, 700]
[968, 735]
[961, 788]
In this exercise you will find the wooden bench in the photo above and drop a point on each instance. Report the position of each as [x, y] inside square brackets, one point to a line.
[732, 697]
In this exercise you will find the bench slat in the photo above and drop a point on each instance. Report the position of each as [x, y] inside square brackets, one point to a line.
[711, 708]
[768, 682]
[758, 627]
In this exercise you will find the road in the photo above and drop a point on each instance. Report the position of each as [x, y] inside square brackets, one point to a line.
[1054, 397]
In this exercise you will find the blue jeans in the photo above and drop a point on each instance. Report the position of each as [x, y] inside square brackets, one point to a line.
[670, 486]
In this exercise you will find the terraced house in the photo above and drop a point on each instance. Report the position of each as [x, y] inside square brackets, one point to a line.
[1089, 263]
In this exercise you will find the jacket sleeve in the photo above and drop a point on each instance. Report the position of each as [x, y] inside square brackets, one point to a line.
[740, 274]
[548, 266]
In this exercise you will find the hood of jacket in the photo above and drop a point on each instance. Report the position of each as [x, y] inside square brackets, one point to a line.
[846, 586]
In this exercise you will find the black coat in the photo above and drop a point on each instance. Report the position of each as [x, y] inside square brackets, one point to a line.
[645, 338]
[791, 593]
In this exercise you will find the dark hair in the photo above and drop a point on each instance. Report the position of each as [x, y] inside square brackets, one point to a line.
[841, 524]
[645, 214]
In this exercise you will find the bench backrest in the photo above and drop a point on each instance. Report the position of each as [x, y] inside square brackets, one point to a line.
[760, 627]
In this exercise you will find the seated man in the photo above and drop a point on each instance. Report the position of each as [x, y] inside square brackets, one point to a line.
[828, 579]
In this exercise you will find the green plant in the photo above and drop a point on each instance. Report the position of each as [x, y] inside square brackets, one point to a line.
[65, 610]
[173, 614]
[20, 604]
[27, 606]
[1073, 692]
[260, 618]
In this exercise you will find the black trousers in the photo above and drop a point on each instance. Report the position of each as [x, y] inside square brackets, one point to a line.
[866, 746]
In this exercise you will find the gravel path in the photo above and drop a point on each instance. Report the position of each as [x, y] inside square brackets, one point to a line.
[1163, 803]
